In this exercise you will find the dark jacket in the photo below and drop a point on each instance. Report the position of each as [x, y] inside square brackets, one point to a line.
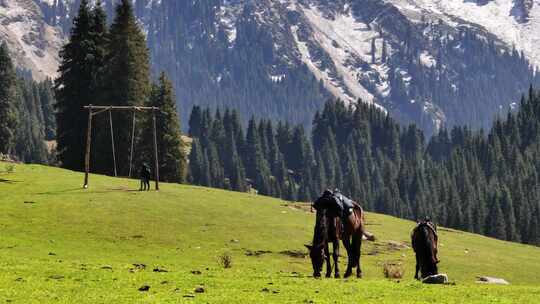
[145, 172]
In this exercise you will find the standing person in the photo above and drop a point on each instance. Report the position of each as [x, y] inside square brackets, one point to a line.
[145, 177]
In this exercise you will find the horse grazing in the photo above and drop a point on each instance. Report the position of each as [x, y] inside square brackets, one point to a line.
[328, 229]
[425, 244]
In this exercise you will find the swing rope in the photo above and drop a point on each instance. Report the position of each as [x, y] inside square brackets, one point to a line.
[132, 141]
[112, 143]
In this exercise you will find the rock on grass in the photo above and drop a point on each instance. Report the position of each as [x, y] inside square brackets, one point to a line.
[144, 288]
[199, 289]
[436, 279]
[491, 280]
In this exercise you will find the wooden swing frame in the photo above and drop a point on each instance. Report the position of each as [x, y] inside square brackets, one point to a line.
[133, 110]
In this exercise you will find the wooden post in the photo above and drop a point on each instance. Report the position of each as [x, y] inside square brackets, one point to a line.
[156, 163]
[132, 140]
[88, 143]
[112, 144]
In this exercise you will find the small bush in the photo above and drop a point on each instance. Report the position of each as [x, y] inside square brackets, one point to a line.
[393, 270]
[10, 168]
[225, 260]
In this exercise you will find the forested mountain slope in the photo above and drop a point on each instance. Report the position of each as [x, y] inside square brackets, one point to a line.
[422, 61]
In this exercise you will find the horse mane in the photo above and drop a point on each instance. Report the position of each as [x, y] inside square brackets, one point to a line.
[320, 235]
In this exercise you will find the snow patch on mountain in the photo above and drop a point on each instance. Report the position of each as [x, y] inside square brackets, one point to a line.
[347, 42]
[517, 26]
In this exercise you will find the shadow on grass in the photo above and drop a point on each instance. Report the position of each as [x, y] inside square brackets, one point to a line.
[83, 191]
[8, 181]
[60, 191]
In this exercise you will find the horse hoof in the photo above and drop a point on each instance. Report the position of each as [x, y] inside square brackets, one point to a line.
[347, 274]
[328, 275]
[359, 275]
[337, 276]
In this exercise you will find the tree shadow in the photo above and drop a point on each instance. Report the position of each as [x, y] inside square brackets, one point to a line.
[60, 191]
[7, 181]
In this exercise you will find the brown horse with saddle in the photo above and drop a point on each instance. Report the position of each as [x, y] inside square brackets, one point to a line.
[337, 218]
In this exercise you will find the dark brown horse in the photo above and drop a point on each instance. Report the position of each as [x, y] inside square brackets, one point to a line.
[327, 229]
[425, 244]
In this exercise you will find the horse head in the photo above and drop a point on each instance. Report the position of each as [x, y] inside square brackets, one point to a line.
[317, 255]
[317, 251]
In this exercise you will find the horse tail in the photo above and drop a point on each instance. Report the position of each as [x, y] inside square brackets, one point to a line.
[361, 219]
[429, 248]
[428, 243]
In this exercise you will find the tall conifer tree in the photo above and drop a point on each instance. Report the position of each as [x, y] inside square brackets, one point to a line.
[74, 89]
[8, 107]
[171, 149]
[127, 75]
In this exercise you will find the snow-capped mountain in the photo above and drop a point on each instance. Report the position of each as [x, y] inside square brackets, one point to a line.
[433, 62]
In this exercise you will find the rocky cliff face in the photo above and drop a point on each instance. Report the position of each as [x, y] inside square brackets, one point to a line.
[33, 43]
[431, 62]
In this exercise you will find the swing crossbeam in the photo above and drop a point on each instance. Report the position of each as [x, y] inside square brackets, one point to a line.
[92, 107]
[95, 110]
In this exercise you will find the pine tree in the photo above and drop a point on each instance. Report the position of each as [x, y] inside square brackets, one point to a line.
[171, 148]
[74, 89]
[507, 208]
[46, 96]
[8, 107]
[257, 167]
[217, 175]
[496, 222]
[127, 74]
[234, 169]
[196, 163]
[195, 120]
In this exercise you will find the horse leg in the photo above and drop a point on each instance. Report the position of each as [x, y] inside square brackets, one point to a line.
[357, 253]
[328, 263]
[335, 255]
[417, 267]
[347, 245]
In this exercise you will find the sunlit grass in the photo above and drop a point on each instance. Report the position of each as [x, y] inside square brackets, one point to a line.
[62, 244]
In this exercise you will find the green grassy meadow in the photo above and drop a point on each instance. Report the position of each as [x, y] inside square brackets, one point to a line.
[62, 244]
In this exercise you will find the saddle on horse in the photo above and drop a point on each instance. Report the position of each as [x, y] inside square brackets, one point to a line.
[341, 206]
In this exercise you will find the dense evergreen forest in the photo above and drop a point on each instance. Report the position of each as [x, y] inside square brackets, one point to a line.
[26, 114]
[464, 179]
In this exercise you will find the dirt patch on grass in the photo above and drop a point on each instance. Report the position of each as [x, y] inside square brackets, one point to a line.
[256, 253]
[450, 230]
[387, 247]
[294, 254]
[306, 207]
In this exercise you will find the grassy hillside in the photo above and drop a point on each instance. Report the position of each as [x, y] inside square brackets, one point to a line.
[62, 244]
